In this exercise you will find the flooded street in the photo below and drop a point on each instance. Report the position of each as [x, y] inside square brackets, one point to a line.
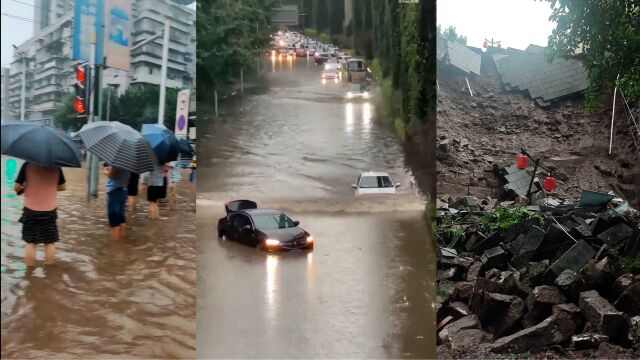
[103, 299]
[367, 289]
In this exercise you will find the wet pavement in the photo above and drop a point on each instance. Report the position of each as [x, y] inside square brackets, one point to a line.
[103, 299]
[367, 289]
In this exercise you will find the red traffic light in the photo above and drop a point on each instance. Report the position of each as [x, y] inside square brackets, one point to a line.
[80, 74]
[78, 105]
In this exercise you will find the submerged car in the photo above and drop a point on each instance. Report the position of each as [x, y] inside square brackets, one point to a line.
[265, 229]
[330, 71]
[357, 91]
[375, 183]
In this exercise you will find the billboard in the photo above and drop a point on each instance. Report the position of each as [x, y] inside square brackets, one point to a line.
[182, 113]
[88, 19]
[117, 33]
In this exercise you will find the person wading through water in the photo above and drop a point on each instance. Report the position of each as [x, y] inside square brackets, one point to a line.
[40, 186]
[116, 184]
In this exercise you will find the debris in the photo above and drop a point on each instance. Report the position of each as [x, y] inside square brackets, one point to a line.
[497, 312]
[603, 316]
[541, 300]
[573, 259]
[494, 257]
[588, 341]
[467, 322]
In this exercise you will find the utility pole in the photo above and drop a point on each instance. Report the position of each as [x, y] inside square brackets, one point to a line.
[93, 160]
[108, 103]
[163, 71]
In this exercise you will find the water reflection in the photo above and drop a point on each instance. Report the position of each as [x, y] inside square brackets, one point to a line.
[366, 117]
[349, 117]
[271, 285]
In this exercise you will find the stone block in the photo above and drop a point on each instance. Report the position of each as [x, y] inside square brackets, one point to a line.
[603, 316]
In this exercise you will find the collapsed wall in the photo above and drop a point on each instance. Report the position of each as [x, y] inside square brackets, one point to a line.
[482, 133]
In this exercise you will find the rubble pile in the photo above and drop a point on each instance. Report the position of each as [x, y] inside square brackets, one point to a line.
[526, 279]
[480, 135]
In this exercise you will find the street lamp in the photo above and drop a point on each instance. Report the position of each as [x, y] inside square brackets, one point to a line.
[24, 81]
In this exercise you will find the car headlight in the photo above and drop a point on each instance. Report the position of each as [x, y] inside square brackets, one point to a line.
[365, 95]
[272, 242]
[310, 239]
[335, 80]
[349, 95]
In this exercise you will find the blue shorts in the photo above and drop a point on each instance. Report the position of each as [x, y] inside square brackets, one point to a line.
[116, 207]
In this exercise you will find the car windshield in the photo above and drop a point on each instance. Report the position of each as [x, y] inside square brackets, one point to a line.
[370, 182]
[355, 88]
[330, 66]
[272, 221]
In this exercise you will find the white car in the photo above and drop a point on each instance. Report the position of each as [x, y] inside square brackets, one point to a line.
[357, 91]
[375, 183]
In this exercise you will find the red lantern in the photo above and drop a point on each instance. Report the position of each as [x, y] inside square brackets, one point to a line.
[521, 161]
[549, 183]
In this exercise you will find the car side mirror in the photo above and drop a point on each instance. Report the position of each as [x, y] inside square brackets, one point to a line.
[296, 223]
[398, 185]
[354, 186]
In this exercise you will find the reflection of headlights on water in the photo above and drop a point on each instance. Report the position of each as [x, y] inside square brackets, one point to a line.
[324, 81]
[272, 242]
[335, 80]
[365, 95]
[349, 95]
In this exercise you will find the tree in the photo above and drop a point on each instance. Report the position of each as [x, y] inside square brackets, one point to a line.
[451, 34]
[606, 35]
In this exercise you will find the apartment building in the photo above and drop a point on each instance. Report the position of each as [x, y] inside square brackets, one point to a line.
[46, 57]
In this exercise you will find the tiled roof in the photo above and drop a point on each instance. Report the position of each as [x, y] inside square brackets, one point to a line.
[530, 71]
[458, 56]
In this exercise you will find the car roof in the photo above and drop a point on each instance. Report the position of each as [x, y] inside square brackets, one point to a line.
[374, 173]
[261, 211]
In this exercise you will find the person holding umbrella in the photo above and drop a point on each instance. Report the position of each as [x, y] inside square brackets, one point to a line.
[116, 184]
[154, 181]
[45, 150]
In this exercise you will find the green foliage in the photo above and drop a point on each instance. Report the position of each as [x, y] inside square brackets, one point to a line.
[401, 132]
[231, 36]
[503, 218]
[606, 35]
[311, 32]
[324, 37]
[451, 34]
[632, 264]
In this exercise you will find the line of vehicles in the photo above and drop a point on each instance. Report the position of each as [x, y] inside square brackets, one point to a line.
[273, 230]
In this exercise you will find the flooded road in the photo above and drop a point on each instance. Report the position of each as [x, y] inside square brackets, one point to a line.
[366, 290]
[103, 299]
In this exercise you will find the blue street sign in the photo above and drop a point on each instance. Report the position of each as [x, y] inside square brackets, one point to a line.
[88, 18]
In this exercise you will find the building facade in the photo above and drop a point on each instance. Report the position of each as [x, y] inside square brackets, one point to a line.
[4, 93]
[46, 57]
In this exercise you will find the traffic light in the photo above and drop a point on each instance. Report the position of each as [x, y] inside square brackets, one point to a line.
[79, 85]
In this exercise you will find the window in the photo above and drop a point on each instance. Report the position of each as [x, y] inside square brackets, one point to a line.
[273, 221]
[239, 221]
[150, 71]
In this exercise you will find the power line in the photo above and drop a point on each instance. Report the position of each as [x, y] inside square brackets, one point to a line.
[24, 3]
[20, 18]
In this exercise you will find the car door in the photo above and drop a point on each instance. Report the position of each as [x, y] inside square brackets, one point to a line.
[387, 186]
[245, 230]
[233, 232]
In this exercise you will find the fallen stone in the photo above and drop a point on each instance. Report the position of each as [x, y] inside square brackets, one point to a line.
[447, 274]
[555, 241]
[493, 274]
[459, 308]
[463, 290]
[587, 341]
[623, 282]
[525, 245]
[474, 271]
[494, 258]
[603, 316]
[629, 300]
[467, 340]
[541, 301]
[535, 271]
[609, 351]
[571, 312]
[498, 312]
[491, 241]
[616, 234]
[574, 259]
[469, 202]
[571, 284]
[550, 331]
[634, 330]
[465, 323]
[511, 284]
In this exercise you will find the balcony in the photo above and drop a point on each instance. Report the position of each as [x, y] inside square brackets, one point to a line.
[46, 89]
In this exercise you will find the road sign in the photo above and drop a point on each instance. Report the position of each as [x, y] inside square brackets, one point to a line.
[182, 113]
[88, 19]
[118, 31]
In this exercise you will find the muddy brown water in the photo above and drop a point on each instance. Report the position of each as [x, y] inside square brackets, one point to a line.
[367, 289]
[103, 299]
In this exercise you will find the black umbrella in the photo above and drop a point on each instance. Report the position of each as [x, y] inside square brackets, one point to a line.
[185, 147]
[39, 144]
[119, 145]
[162, 141]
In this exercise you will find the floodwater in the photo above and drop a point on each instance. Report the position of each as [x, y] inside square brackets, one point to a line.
[129, 299]
[367, 289]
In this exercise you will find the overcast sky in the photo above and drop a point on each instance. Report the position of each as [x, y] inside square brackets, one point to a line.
[15, 31]
[517, 23]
